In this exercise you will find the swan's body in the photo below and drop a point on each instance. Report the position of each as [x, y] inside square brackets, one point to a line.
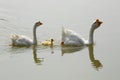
[71, 38]
[48, 42]
[21, 40]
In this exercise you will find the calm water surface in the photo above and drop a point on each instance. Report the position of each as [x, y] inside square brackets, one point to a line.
[97, 62]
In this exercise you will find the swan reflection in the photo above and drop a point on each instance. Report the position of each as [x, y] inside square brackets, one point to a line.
[65, 49]
[35, 57]
[95, 63]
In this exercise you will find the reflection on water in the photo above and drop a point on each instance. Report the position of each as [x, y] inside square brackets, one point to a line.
[95, 63]
[70, 49]
[2, 19]
[35, 57]
[64, 50]
[52, 49]
[17, 50]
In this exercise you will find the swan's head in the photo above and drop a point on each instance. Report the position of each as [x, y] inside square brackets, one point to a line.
[62, 43]
[96, 24]
[38, 24]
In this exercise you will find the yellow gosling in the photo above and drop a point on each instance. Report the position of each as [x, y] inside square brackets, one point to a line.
[48, 42]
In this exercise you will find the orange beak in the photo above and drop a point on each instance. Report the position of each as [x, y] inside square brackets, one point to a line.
[40, 23]
[99, 22]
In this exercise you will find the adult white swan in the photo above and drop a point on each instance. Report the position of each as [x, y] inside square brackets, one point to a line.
[71, 38]
[21, 40]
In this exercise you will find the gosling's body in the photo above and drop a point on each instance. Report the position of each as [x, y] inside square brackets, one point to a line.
[48, 42]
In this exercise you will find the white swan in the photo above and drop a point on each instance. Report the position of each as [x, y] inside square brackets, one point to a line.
[21, 40]
[71, 38]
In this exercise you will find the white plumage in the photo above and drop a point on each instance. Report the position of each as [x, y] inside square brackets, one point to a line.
[71, 38]
[21, 40]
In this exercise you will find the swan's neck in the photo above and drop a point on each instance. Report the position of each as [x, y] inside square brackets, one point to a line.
[34, 36]
[91, 36]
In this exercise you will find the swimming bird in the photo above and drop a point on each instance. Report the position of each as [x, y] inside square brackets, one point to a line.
[21, 40]
[48, 42]
[71, 38]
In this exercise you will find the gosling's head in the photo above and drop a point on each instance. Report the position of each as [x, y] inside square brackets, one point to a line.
[52, 40]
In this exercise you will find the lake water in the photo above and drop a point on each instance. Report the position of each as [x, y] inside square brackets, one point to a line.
[90, 63]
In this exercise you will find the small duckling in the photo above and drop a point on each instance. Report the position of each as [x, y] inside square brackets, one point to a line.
[48, 42]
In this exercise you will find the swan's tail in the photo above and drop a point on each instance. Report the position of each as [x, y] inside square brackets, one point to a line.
[14, 37]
